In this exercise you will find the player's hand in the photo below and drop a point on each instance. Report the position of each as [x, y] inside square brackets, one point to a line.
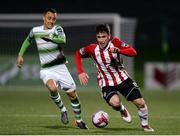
[114, 50]
[83, 78]
[20, 61]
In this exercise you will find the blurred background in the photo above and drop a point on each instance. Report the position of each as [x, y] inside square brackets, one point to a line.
[152, 27]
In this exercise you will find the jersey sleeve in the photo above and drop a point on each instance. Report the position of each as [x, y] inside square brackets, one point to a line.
[59, 36]
[26, 43]
[84, 52]
[125, 49]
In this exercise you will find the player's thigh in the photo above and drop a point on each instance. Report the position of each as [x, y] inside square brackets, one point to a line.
[65, 79]
[115, 100]
[129, 90]
[47, 74]
[51, 85]
[109, 93]
[48, 79]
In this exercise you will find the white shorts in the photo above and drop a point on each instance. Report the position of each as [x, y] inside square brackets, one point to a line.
[61, 76]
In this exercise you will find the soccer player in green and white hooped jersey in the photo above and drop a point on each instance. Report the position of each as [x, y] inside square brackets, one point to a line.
[54, 73]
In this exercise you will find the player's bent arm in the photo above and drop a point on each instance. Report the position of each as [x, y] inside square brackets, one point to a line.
[124, 48]
[115, 50]
[54, 38]
[59, 36]
[128, 51]
[59, 39]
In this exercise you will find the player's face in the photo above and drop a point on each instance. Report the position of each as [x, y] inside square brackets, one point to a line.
[49, 20]
[102, 39]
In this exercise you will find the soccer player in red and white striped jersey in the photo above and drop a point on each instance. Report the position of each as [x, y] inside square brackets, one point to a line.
[112, 76]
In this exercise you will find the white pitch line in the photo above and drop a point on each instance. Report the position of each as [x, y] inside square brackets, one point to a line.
[55, 116]
[28, 115]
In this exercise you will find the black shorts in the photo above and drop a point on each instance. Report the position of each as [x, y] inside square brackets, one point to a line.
[128, 89]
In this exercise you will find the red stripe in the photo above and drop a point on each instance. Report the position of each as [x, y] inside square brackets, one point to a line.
[108, 69]
[101, 71]
[117, 70]
[112, 75]
[120, 76]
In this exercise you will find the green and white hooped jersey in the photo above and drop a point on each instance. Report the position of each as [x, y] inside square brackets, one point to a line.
[48, 50]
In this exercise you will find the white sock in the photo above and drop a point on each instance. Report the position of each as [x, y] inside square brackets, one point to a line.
[122, 108]
[143, 115]
[63, 109]
[79, 120]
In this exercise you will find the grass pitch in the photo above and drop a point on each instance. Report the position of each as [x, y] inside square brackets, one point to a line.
[30, 111]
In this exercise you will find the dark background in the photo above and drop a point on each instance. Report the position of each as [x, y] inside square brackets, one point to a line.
[151, 14]
[158, 20]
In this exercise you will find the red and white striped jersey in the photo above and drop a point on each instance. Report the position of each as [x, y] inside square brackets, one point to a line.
[108, 74]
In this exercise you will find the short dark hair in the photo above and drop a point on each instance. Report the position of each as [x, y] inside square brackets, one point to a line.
[103, 28]
[52, 10]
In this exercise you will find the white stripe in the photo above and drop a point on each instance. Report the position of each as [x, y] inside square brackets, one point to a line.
[45, 45]
[118, 80]
[41, 44]
[99, 61]
[75, 105]
[108, 75]
[104, 68]
[76, 109]
[116, 75]
[45, 58]
[99, 76]
[123, 75]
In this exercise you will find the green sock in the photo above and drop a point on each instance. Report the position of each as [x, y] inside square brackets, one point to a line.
[57, 100]
[76, 106]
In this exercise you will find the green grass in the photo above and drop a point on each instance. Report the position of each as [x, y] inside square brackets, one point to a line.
[26, 111]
